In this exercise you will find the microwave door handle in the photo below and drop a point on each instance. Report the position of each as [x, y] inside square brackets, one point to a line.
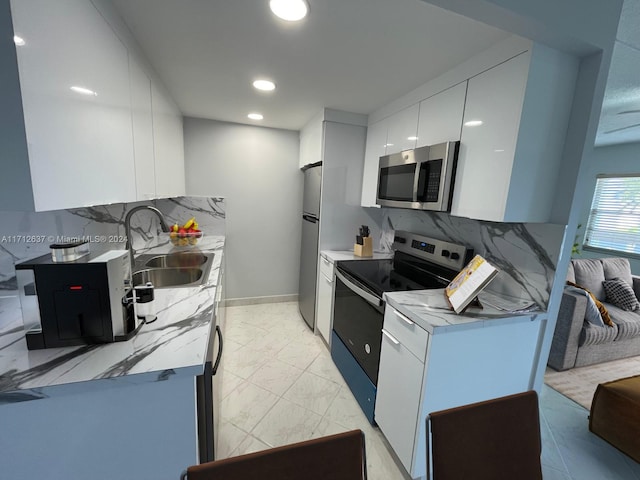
[372, 299]
[416, 181]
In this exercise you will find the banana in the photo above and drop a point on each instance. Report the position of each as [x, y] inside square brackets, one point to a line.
[189, 223]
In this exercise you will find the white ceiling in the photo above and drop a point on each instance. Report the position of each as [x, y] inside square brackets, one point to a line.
[353, 55]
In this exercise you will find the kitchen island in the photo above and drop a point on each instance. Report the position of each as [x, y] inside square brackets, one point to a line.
[116, 410]
[433, 359]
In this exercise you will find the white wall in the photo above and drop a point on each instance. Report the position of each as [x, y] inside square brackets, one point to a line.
[256, 170]
[606, 160]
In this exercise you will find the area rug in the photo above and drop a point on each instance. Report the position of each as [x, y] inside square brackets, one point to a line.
[579, 384]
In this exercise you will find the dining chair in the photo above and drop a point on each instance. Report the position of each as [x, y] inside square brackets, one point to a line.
[497, 439]
[335, 457]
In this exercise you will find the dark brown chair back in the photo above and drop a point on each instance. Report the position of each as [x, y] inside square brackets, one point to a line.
[335, 457]
[492, 440]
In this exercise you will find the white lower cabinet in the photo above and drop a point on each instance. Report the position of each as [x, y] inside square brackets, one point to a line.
[422, 372]
[325, 299]
[396, 413]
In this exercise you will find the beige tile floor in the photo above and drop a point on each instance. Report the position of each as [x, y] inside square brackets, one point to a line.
[280, 386]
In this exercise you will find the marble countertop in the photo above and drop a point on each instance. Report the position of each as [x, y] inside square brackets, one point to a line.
[176, 343]
[338, 255]
[429, 309]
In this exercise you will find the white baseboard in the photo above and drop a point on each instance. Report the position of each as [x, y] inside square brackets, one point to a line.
[236, 302]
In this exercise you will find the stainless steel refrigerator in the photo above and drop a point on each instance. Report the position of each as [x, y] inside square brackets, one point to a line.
[309, 247]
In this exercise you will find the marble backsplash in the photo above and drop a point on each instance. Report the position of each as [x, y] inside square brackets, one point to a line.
[25, 235]
[525, 253]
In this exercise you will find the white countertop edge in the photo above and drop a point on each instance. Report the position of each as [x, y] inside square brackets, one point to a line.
[447, 320]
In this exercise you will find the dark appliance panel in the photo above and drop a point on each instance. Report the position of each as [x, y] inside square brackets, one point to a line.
[358, 323]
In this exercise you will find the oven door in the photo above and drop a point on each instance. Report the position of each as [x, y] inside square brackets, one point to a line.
[357, 321]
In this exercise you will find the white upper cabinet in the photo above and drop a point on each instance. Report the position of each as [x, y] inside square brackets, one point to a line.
[168, 141]
[88, 123]
[375, 148]
[509, 163]
[402, 130]
[142, 132]
[489, 134]
[80, 145]
[311, 142]
[440, 118]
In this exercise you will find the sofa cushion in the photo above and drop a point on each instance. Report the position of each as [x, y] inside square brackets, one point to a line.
[617, 268]
[590, 275]
[628, 323]
[571, 274]
[620, 293]
[594, 335]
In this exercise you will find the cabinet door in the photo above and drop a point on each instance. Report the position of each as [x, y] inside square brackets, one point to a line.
[142, 132]
[375, 148]
[311, 143]
[403, 130]
[325, 306]
[398, 398]
[440, 117]
[80, 145]
[168, 143]
[487, 150]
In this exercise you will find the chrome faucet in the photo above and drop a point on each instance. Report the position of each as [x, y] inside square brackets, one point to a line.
[127, 227]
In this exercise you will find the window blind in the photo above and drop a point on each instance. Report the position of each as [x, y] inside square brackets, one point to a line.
[614, 220]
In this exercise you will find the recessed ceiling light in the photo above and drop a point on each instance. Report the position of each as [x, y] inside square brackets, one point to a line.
[289, 10]
[265, 85]
[411, 139]
[473, 123]
[255, 116]
[83, 91]
[19, 41]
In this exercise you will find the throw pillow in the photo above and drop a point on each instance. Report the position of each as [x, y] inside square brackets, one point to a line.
[621, 294]
[591, 314]
[601, 308]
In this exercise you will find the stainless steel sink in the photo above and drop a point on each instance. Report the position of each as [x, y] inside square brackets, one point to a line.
[172, 270]
[168, 277]
[180, 259]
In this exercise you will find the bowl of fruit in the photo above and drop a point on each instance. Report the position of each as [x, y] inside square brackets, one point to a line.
[187, 234]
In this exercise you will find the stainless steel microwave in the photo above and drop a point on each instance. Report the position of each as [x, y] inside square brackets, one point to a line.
[421, 179]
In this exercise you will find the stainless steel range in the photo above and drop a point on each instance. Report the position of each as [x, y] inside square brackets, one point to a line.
[419, 263]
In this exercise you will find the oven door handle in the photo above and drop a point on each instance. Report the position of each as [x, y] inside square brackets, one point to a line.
[372, 299]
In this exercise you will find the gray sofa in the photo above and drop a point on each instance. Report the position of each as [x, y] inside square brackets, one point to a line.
[577, 342]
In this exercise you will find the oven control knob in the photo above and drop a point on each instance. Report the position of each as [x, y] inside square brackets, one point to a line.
[367, 348]
[455, 256]
[446, 253]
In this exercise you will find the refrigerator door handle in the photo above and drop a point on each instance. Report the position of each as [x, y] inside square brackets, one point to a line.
[310, 218]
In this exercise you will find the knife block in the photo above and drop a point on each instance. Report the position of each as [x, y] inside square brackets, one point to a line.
[364, 250]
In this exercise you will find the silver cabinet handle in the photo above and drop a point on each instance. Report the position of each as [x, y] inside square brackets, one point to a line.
[326, 261]
[403, 318]
[390, 337]
[327, 279]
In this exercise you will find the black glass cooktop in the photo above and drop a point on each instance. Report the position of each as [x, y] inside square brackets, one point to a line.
[403, 272]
